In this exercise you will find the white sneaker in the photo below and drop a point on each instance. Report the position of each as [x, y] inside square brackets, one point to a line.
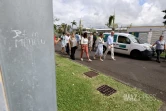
[89, 60]
[101, 60]
[94, 57]
[82, 59]
[113, 59]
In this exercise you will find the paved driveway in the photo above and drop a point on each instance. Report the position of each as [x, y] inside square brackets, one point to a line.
[147, 75]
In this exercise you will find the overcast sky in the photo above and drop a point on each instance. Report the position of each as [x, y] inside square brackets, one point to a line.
[95, 13]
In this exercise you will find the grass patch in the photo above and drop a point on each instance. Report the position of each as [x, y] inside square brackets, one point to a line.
[162, 55]
[76, 92]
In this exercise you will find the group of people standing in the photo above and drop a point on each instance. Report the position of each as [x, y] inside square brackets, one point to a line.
[71, 42]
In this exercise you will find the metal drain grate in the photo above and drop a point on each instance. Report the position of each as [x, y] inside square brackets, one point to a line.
[106, 90]
[91, 74]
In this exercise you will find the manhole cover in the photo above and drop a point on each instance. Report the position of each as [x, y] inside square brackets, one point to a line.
[91, 74]
[106, 90]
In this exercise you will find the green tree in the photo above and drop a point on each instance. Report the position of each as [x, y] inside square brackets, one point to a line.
[73, 23]
[111, 22]
[64, 27]
[55, 28]
[55, 25]
[92, 30]
[68, 28]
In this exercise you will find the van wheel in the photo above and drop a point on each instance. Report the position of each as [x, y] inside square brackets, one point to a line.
[135, 54]
[104, 49]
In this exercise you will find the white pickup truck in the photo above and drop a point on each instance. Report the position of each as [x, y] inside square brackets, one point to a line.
[128, 44]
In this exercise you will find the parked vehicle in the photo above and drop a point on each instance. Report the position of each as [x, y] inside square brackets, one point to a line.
[128, 44]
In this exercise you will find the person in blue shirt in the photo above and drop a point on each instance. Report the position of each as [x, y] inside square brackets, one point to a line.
[77, 38]
[110, 46]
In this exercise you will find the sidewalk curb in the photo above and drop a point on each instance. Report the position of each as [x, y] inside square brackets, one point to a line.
[163, 107]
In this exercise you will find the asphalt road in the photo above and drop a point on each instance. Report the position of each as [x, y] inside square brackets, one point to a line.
[147, 75]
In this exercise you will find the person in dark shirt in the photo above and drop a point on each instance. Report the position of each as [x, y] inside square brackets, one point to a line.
[94, 41]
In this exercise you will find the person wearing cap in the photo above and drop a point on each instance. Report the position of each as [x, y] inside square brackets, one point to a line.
[160, 47]
[110, 46]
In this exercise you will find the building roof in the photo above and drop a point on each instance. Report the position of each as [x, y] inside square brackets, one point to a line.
[145, 28]
[120, 28]
[103, 29]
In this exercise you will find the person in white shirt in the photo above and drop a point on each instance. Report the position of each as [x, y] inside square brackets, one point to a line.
[63, 43]
[84, 47]
[73, 44]
[90, 38]
[99, 50]
[110, 46]
[67, 43]
[160, 47]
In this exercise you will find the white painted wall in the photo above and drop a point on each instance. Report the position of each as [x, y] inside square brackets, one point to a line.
[145, 28]
[164, 34]
[143, 37]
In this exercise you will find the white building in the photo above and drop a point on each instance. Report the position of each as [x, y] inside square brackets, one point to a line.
[148, 34]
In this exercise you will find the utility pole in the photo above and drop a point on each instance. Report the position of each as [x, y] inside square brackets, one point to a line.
[27, 62]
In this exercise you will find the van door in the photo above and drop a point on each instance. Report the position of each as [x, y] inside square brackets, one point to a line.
[115, 41]
[122, 45]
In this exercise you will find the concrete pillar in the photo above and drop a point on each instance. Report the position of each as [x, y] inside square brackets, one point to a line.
[27, 56]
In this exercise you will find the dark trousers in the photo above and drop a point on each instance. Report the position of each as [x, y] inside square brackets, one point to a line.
[73, 50]
[67, 49]
[93, 46]
[158, 54]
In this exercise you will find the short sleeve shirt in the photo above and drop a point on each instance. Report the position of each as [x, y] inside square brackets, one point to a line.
[67, 39]
[73, 42]
[160, 44]
[77, 37]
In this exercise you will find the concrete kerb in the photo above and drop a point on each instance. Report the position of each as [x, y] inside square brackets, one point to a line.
[163, 107]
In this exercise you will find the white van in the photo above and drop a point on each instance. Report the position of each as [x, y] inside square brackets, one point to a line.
[128, 44]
